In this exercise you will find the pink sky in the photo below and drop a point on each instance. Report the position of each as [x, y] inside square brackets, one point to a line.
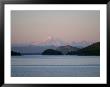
[37, 26]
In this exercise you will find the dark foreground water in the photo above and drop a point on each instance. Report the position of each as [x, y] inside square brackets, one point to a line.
[55, 66]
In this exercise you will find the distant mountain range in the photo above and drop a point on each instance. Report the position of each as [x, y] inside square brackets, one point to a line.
[93, 49]
[81, 44]
[90, 50]
[55, 42]
[66, 49]
[31, 49]
[50, 43]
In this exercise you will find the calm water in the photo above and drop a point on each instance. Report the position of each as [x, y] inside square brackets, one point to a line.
[55, 66]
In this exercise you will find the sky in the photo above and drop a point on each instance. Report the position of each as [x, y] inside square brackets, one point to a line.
[28, 26]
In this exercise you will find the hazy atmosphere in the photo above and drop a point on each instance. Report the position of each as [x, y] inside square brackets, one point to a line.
[55, 43]
[67, 25]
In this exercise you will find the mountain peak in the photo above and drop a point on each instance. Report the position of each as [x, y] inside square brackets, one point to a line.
[52, 42]
[66, 49]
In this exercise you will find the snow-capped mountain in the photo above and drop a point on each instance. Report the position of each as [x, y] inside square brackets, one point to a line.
[80, 44]
[57, 42]
[52, 42]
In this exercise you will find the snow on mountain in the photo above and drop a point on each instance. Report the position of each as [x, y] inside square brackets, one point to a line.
[57, 42]
[52, 42]
[80, 44]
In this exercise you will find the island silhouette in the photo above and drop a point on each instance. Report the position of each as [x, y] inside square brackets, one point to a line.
[91, 50]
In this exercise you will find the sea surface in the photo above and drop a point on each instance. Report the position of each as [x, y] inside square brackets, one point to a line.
[55, 66]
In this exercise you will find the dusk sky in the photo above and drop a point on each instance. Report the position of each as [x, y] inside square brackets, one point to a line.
[68, 25]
